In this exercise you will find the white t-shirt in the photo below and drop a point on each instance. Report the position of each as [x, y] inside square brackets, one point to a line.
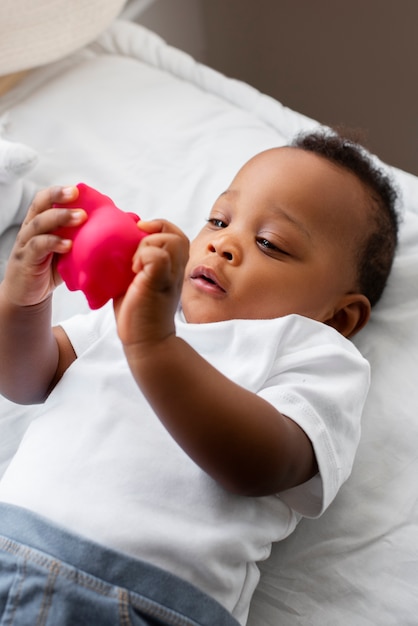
[97, 460]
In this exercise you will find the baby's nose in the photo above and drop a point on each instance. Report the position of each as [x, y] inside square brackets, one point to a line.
[226, 248]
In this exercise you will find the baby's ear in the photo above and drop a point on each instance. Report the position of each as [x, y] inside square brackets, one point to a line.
[351, 315]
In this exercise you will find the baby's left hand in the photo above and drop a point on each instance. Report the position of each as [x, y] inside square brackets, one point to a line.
[145, 314]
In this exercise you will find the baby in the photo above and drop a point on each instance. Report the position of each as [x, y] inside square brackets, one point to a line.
[185, 429]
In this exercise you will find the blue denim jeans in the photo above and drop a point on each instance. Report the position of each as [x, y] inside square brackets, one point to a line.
[49, 577]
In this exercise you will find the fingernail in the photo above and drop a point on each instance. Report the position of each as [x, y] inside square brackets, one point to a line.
[77, 215]
[68, 192]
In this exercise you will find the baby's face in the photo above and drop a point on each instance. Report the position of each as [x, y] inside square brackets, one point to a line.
[282, 239]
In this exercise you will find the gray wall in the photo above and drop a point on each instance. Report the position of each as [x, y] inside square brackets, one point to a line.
[351, 62]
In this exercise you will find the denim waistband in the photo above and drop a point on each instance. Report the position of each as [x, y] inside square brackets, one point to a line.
[24, 527]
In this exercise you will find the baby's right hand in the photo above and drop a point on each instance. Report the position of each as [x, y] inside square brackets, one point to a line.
[31, 273]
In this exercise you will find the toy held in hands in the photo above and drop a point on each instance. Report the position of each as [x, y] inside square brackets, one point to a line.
[100, 260]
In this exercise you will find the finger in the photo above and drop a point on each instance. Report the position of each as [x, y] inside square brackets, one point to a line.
[46, 198]
[147, 255]
[177, 248]
[50, 222]
[40, 248]
[155, 265]
[160, 269]
[160, 226]
[170, 240]
[159, 239]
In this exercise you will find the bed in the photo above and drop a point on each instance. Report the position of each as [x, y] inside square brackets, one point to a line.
[163, 135]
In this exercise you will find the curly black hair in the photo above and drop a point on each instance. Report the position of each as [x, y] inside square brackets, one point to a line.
[379, 246]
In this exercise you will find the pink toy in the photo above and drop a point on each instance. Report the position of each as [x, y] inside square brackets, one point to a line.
[100, 260]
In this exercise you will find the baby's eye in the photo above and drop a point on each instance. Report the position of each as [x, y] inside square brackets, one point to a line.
[265, 244]
[218, 223]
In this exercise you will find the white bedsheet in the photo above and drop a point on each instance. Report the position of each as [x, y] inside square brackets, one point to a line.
[163, 136]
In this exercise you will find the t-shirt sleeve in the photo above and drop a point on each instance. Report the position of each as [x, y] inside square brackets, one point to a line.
[85, 329]
[322, 386]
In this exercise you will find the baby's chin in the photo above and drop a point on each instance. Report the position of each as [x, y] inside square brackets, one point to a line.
[201, 315]
[201, 318]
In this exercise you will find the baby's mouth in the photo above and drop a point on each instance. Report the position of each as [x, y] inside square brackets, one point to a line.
[206, 276]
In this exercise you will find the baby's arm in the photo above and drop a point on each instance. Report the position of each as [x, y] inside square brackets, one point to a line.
[33, 356]
[239, 439]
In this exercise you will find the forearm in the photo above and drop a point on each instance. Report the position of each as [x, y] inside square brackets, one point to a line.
[30, 354]
[239, 439]
[28, 351]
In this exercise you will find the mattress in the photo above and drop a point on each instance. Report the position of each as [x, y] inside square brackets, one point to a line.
[163, 135]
